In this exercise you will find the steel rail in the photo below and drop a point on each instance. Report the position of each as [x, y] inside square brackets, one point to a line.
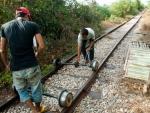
[85, 88]
[15, 97]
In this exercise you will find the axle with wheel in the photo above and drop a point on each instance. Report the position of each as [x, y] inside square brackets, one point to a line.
[65, 98]
[94, 64]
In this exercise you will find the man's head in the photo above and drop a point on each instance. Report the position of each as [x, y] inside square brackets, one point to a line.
[23, 12]
[84, 33]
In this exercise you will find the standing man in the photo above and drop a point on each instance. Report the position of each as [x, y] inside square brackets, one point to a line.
[18, 34]
[86, 39]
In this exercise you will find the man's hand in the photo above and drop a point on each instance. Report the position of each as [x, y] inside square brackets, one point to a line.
[7, 67]
[78, 59]
[41, 44]
[88, 49]
[36, 54]
[76, 64]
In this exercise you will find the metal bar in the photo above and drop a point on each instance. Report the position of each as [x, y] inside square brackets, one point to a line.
[68, 63]
[49, 95]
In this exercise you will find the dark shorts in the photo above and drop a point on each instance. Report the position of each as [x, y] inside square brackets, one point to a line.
[85, 54]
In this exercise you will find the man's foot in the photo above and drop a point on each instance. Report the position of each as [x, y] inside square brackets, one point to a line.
[43, 109]
[89, 63]
[34, 111]
[86, 62]
[31, 106]
[40, 108]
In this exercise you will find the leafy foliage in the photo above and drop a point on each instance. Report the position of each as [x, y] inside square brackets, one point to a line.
[104, 12]
[6, 14]
[60, 18]
[5, 79]
[46, 69]
[125, 7]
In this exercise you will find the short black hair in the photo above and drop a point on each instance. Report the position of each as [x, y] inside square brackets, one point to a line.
[84, 31]
[21, 15]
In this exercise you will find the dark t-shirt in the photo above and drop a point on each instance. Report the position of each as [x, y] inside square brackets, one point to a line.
[19, 34]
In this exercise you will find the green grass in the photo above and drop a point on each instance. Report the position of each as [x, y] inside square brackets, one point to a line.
[5, 79]
[47, 69]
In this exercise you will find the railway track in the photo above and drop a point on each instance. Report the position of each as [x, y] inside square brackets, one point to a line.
[78, 80]
[83, 91]
[109, 93]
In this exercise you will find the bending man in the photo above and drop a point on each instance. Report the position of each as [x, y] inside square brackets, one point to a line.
[86, 44]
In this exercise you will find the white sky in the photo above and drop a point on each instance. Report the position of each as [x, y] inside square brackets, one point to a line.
[108, 2]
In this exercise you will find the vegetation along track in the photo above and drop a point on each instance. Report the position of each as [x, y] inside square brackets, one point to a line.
[78, 80]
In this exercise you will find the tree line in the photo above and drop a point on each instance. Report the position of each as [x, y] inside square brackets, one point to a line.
[63, 18]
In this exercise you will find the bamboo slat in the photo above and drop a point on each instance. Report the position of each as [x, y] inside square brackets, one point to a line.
[138, 62]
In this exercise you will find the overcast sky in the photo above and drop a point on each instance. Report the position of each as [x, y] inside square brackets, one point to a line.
[108, 2]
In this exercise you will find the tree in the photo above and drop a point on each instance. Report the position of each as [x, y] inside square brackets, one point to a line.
[139, 5]
[124, 7]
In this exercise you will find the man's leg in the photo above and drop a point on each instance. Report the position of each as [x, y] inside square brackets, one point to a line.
[38, 106]
[21, 86]
[83, 49]
[34, 79]
[91, 54]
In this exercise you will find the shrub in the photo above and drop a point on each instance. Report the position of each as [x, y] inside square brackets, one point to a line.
[5, 79]
[6, 14]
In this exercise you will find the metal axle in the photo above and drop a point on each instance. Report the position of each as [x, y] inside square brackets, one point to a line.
[94, 64]
[49, 95]
[74, 64]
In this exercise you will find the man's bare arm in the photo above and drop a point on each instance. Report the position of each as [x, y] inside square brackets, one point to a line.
[78, 53]
[91, 44]
[3, 51]
[41, 45]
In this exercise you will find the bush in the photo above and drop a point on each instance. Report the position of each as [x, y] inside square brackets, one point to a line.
[115, 19]
[5, 79]
[104, 12]
[125, 7]
[47, 69]
[62, 18]
[6, 14]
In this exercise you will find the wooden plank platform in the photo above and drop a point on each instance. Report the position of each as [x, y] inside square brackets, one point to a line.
[137, 65]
